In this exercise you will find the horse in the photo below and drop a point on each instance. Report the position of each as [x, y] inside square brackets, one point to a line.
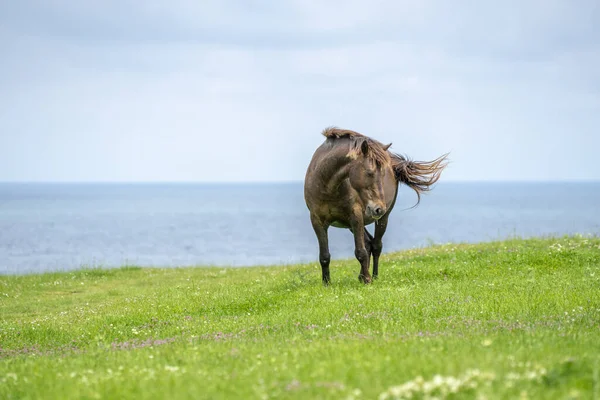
[352, 181]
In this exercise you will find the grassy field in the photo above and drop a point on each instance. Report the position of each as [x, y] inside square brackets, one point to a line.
[512, 319]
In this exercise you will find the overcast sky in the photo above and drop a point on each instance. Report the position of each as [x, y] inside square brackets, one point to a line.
[105, 90]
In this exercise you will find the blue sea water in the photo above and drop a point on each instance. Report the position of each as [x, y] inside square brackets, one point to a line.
[51, 227]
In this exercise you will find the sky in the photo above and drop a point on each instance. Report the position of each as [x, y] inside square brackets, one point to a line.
[239, 91]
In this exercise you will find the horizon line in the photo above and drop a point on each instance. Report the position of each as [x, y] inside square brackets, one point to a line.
[254, 182]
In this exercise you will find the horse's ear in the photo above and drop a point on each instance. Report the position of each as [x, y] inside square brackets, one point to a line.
[364, 147]
[385, 148]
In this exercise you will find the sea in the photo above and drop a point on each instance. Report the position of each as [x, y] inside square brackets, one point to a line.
[61, 227]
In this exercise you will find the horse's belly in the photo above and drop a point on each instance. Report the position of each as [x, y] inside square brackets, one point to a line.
[339, 224]
[366, 221]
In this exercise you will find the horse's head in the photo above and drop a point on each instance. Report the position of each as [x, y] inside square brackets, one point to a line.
[366, 174]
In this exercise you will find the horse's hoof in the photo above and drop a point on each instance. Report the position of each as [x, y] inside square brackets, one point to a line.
[364, 279]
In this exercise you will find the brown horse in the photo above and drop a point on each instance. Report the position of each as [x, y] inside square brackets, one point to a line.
[352, 181]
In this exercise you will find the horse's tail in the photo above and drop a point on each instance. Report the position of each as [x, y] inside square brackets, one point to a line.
[418, 175]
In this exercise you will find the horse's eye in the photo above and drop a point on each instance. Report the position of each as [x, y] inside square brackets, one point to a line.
[371, 173]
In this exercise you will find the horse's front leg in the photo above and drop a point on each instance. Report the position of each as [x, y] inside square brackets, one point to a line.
[324, 256]
[360, 250]
[376, 243]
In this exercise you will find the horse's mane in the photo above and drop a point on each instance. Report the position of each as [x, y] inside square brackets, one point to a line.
[377, 151]
[418, 175]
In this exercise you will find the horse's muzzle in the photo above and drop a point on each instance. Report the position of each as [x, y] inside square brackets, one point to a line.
[375, 211]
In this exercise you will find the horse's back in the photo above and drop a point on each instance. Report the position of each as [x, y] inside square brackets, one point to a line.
[329, 148]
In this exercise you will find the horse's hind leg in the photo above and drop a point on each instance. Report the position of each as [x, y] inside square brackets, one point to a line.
[376, 243]
[324, 256]
[369, 244]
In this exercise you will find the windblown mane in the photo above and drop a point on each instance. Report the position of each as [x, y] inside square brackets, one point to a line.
[377, 151]
[418, 175]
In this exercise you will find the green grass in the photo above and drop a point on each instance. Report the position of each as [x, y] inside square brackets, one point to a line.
[519, 318]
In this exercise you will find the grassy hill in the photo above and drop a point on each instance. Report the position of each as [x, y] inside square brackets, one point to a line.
[511, 319]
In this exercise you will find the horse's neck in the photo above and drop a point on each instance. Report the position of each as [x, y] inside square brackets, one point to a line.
[335, 171]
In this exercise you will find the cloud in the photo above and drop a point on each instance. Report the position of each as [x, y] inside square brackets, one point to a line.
[229, 91]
